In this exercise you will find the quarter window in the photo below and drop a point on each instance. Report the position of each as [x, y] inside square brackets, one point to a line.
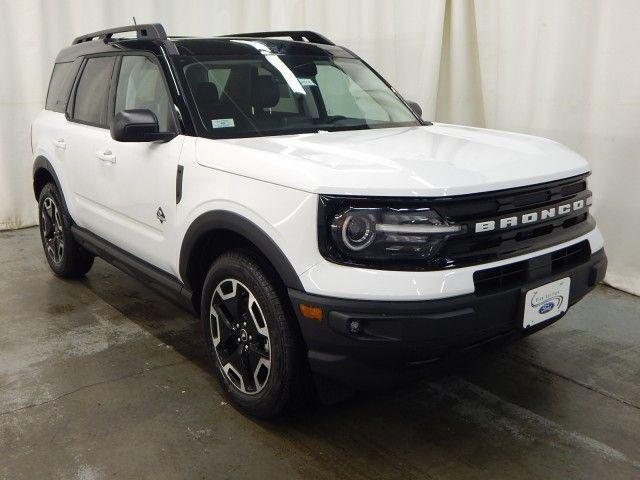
[59, 86]
[92, 93]
[141, 85]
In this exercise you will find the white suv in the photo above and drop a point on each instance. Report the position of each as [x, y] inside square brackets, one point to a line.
[288, 194]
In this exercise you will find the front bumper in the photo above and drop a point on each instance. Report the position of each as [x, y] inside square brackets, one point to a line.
[398, 341]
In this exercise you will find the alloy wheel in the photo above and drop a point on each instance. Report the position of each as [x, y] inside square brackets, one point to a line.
[240, 336]
[52, 230]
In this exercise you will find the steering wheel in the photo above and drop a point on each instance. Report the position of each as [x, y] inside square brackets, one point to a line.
[336, 118]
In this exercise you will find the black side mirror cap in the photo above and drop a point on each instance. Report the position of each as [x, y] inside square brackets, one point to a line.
[139, 125]
[417, 109]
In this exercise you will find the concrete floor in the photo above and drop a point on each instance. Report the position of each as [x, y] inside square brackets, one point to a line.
[101, 378]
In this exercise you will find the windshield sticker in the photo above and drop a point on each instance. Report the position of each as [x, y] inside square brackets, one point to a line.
[223, 123]
[307, 82]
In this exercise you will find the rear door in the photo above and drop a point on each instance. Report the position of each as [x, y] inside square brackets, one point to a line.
[87, 139]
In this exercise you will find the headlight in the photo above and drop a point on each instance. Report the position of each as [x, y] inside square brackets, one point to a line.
[381, 236]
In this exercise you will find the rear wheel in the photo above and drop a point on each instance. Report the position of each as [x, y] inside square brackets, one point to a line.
[252, 340]
[65, 256]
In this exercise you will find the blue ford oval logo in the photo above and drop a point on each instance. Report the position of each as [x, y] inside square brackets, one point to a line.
[546, 308]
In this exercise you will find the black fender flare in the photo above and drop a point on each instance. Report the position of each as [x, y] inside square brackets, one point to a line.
[225, 220]
[40, 163]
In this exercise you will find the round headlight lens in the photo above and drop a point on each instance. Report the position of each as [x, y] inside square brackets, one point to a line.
[358, 231]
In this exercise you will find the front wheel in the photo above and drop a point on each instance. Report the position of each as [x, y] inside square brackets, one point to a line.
[251, 337]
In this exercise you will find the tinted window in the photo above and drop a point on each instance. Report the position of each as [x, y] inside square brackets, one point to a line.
[343, 97]
[140, 85]
[92, 93]
[281, 94]
[59, 86]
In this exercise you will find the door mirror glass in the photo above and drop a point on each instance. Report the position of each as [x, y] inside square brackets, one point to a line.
[138, 125]
[417, 109]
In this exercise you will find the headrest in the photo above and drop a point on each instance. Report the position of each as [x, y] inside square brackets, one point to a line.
[265, 92]
[196, 74]
[304, 69]
[206, 94]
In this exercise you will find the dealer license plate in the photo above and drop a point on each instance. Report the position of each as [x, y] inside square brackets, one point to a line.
[546, 302]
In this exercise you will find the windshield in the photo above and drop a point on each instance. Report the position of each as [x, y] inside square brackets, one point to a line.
[280, 94]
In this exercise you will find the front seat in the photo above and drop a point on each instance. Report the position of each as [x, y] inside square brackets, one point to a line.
[265, 94]
[212, 108]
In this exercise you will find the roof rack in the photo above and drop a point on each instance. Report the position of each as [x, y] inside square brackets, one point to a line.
[297, 35]
[147, 31]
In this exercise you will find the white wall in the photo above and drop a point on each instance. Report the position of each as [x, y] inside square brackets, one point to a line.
[567, 70]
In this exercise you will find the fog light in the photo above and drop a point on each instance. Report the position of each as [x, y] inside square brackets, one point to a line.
[354, 326]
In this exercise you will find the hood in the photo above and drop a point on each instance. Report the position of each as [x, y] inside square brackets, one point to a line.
[424, 161]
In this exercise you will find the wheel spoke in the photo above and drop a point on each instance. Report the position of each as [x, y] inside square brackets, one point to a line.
[226, 348]
[57, 219]
[237, 305]
[47, 227]
[224, 322]
[256, 353]
[257, 347]
[240, 362]
[56, 249]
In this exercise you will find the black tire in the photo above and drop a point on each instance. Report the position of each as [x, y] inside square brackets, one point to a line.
[285, 385]
[65, 256]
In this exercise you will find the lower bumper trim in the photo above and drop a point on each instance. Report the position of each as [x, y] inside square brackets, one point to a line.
[395, 341]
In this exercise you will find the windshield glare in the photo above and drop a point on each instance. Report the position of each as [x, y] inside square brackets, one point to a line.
[278, 94]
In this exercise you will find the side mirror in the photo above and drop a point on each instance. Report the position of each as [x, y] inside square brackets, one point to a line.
[416, 108]
[140, 125]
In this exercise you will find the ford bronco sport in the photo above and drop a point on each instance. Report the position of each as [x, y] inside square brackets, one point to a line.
[277, 185]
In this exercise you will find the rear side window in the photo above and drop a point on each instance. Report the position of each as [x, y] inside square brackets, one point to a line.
[60, 86]
[92, 92]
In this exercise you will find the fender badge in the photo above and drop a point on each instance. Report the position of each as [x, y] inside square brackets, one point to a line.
[160, 215]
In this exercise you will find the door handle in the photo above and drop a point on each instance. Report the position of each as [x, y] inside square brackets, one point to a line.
[60, 144]
[106, 156]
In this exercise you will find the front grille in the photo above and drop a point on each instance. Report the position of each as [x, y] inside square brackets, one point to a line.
[515, 274]
[473, 248]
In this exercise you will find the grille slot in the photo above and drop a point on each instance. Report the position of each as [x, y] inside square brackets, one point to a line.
[516, 274]
[498, 278]
[570, 256]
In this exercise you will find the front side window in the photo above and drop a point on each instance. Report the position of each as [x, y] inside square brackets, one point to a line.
[92, 92]
[283, 94]
[141, 85]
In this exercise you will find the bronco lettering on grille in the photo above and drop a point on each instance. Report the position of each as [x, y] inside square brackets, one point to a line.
[534, 216]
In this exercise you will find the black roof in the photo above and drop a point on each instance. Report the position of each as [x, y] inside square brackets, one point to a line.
[152, 38]
[244, 46]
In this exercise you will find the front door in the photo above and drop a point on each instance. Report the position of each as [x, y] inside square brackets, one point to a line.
[138, 182]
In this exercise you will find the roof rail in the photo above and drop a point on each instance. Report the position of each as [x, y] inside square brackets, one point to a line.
[297, 35]
[148, 31]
